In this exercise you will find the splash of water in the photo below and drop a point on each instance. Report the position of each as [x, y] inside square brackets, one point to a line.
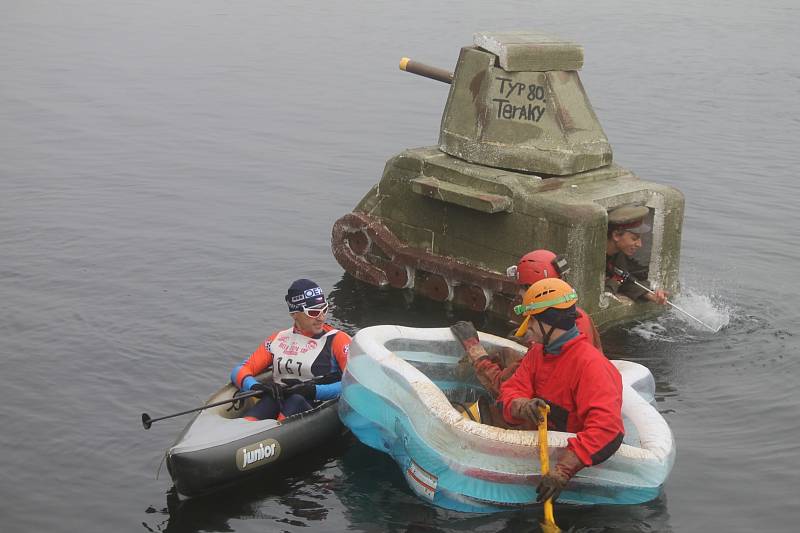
[706, 308]
[652, 330]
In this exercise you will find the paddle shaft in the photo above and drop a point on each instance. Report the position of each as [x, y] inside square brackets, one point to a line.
[544, 459]
[627, 275]
[147, 421]
[651, 291]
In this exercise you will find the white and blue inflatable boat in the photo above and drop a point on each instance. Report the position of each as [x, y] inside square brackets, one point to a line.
[398, 394]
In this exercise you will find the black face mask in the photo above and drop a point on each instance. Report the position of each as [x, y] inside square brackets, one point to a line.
[545, 335]
[559, 318]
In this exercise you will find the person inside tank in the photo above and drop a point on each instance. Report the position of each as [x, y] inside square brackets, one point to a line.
[624, 274]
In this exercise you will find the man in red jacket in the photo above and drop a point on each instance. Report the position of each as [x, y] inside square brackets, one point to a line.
[563, 370]
[492, 370]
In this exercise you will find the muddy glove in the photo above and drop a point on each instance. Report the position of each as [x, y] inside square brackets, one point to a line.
[507, 357]
[525, 409]
[271, 389]
[468, 337]
[553, 483]
[306, 389]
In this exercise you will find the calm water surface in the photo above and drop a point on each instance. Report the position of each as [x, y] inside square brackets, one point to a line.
[167, 168]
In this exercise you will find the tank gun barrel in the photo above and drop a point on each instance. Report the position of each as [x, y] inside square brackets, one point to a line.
[428, 71]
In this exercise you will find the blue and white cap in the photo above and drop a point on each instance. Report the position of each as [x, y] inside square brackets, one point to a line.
[304, 293]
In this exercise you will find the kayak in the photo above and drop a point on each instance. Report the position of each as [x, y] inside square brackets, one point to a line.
[398, 396]
[218, 447]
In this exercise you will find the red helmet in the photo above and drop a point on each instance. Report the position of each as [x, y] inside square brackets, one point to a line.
[538, 265]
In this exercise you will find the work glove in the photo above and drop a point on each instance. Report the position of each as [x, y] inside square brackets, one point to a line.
[507, 357]
[528, 409]
[276, 390]
[467, 335]
[465, 332]
[553, 483]
[306, 389]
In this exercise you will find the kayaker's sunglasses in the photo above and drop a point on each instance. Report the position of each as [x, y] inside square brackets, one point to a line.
[316, 312]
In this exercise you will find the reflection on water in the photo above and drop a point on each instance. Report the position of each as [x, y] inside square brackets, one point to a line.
[293, 494]
[373, 497]
[375, 492]
[356, 305]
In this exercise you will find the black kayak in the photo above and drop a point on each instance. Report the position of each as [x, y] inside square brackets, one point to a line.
[218, 447]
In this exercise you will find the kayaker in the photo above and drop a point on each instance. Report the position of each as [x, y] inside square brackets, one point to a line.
[492, 369]
[625, 228]
[307, 360]
[563, 370]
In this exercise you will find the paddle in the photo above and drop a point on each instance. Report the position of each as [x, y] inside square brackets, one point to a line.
[549, 524]
[627, 275]
[147, 421]
[320, 380]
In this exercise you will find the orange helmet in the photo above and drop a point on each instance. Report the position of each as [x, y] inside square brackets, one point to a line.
[545, 294]
[538, 265]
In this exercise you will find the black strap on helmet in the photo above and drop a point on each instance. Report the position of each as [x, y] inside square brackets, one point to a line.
[561, 265]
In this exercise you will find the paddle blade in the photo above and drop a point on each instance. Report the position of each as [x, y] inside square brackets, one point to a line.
[549, 527]
[549, 524]
[146, 421]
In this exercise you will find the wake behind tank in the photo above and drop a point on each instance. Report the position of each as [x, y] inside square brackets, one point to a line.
[522, 163]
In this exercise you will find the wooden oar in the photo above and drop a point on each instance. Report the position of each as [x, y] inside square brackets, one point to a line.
[549, 524]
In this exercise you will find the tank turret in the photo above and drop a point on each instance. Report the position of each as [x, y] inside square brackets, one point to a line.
[517, 103]
[522, 163]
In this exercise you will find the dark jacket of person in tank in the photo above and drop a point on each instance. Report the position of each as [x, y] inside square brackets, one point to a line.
[625, 228]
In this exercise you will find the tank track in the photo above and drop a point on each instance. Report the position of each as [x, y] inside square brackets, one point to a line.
[371, 252]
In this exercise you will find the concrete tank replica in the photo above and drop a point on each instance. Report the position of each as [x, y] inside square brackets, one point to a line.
[522, 163]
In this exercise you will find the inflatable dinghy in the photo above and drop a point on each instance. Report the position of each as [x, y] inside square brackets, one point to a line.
[398, 396]
[218, 447]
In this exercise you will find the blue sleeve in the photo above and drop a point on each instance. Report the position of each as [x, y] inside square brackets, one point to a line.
[235, 371]
[329, 391]
[247, 382]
